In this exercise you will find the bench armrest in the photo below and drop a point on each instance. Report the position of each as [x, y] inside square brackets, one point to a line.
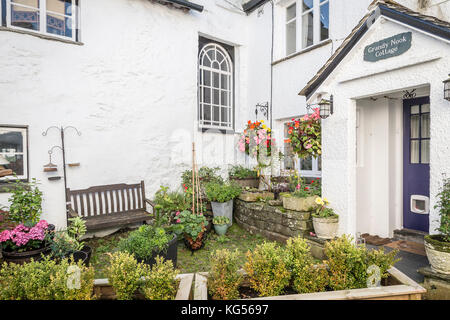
[71, 213]
[150, 203]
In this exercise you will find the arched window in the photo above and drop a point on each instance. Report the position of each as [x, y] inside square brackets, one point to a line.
[215, 79]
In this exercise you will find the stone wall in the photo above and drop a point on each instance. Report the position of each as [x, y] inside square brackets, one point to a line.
[275, 223]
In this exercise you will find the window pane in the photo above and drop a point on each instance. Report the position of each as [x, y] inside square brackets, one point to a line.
[414, 151]
[291, 35]
[425, 108]
[206, 112]
[59, 25]
[25, 17]
[206, 62]
[224, 81]
[216, 96]
[224, 98]
[29, 3]
[425, 132]
[10, 141]
[224, 115]
[425, 151]
[15, 164]
[215, 83]
[216, 113]
[207, 95]
[291, 12]
[306, 164]
[307, 4]
[207, 78]
[60, 6]
[324, 21]
[223, 66]
[415, 123]
[414, 109]
[307, 29]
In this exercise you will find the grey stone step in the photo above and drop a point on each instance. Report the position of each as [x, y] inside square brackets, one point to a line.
[409, 235]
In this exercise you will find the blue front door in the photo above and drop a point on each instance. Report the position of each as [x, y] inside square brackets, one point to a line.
[416, 163]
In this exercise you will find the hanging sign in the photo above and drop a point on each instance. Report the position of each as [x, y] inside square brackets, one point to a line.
[388, 48]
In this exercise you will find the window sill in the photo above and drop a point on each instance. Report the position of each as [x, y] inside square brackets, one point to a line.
[308, 49]
[222, 131]
[40, 35]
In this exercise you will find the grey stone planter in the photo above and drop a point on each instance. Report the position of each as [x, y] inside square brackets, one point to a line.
[299, 204]
[246, 182]
[326, 228]
[438, 254]
[223, 209]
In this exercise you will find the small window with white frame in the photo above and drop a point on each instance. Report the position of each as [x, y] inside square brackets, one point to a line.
[215, 85]
[307, 24]
[13, 152]
[57, 18]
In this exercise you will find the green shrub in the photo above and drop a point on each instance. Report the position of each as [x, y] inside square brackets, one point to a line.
[205, 175]
[240, 172]
[46, 280]
[146, 240]
[267, 269]
[25, 202]
[124, 274]
[222, 192]
[160, 282]
[348, 263]
[221, 220]
[192, 224]
[223, 279]
[62, 245]
[170, 202]
[306, 276]
[443, 204]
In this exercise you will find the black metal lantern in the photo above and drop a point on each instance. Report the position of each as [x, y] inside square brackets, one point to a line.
[326, 107]
[447, 89]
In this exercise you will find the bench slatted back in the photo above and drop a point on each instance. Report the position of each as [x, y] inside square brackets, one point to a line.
[107, 200]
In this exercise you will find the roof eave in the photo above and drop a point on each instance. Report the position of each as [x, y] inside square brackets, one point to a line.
[252, 5]
[186, 4]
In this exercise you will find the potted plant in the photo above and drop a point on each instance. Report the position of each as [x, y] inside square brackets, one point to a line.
[221, 197]
[244, 177]
[67, 243]
[437, 246]
[194, 229]
[302, 196]
[221, 225]
[148, 242]
[325, 221]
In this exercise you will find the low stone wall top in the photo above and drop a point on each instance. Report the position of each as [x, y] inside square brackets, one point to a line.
[273, 222]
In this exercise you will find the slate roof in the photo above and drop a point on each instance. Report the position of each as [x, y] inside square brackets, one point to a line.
[252, 5]
[387, 8]
[184, 4]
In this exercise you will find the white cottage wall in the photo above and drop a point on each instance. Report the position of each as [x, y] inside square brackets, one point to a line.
[131, 89]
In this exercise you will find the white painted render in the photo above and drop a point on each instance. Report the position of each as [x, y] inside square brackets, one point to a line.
[426, 64]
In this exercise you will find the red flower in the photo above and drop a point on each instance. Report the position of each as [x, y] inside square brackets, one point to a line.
[306, 188]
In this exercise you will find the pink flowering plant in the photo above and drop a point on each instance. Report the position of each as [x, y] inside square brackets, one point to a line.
[256, 140]
[304, 135]
[23, 238]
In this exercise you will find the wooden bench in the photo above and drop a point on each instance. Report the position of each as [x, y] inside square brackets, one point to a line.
[109, 205]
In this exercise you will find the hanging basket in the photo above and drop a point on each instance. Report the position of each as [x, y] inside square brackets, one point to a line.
[196, 244]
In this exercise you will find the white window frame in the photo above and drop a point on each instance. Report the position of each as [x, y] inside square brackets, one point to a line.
[228, 125]
[300, 15]
[43, 18]
[24, 153]
[288, 22]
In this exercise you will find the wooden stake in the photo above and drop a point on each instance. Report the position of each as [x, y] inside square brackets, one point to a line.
[193, 180]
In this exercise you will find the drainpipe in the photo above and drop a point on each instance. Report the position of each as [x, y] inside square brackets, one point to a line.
[271, 67]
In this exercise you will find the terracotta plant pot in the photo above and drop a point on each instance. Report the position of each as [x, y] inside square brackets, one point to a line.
[246, 182]
[299, 204]
[326, 228]
[438, 253]
[24, 257]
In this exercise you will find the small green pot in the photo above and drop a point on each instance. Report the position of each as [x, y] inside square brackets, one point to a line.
[221, 229]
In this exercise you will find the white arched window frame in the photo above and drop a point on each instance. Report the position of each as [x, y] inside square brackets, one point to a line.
[215, 91]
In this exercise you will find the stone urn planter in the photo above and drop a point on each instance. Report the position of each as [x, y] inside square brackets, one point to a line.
[438, 253]
[223, 209]
[326, 228]
[299, 204]
[249, 196]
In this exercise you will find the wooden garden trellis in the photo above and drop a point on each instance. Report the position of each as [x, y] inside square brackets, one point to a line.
[196, 190]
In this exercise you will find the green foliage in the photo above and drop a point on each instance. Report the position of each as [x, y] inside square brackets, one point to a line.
[306, 276]
[322, 211]
[267, 269]
[221, 220]
[217, 192]
[170, 202]
[125, 274]
[240, 172]
[224, 279]
[144, 241]
[77, 228]
[46, 280]
[161, 283]
[443, 204]
[305, 135]
[192, 224]
[348, 263]
[205, 175]
[25, 202]
[62, 245]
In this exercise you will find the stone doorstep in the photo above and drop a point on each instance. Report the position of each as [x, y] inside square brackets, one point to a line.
[409, 235]
[437, 284]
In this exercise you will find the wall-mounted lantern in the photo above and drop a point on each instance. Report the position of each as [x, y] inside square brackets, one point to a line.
[447, 89]
[326, 107]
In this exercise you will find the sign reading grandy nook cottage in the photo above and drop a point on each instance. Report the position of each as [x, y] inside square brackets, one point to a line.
[388, 48]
